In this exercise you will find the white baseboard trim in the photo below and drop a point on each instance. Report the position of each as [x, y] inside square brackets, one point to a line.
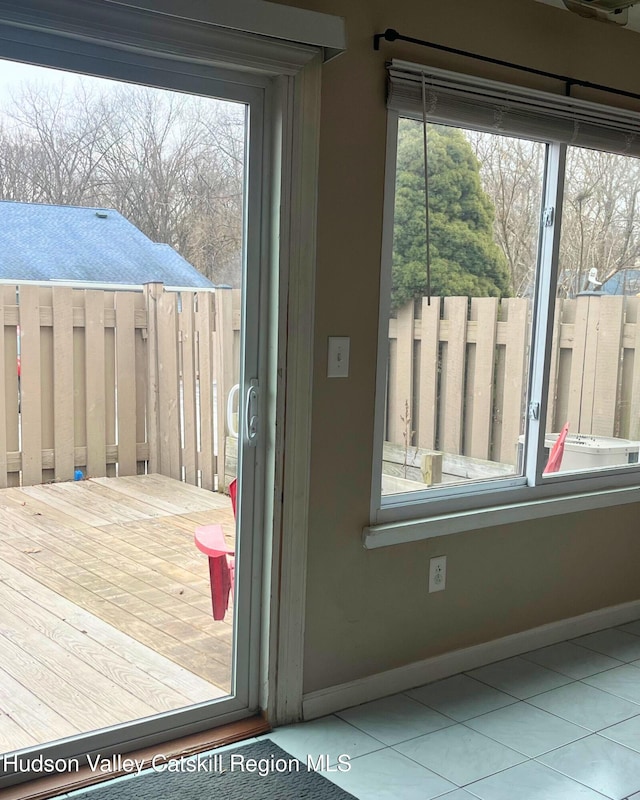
[372, 687]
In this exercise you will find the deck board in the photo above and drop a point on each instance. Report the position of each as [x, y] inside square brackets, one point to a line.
[105, 605]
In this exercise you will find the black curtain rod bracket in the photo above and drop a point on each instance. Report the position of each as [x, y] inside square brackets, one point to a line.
[391, 35]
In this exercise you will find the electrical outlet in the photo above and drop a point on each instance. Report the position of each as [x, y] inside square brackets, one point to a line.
[438, 574]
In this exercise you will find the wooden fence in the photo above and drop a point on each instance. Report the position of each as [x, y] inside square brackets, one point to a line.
[462, 366]
[115, 382]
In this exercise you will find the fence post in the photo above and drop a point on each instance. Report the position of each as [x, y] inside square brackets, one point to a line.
[401, 387]
[152, 293]
[204, 329]
[223, 304]
[31, 396]
[63, 383]
[125, 380]
[11, 388]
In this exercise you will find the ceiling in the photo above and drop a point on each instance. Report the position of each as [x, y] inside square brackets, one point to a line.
[634, 14]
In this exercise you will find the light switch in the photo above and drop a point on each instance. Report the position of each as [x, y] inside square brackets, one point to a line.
[338, 357]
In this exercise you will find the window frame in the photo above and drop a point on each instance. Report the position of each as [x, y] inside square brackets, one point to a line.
[412, 516]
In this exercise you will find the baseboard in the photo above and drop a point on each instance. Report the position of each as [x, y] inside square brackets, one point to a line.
[372, 687]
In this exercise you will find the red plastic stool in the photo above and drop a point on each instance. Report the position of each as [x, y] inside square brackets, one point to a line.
[222, 564]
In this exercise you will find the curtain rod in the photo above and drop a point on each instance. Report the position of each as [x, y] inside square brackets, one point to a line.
[391, 35]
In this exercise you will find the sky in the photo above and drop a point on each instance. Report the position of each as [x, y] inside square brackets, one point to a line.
[13, 74]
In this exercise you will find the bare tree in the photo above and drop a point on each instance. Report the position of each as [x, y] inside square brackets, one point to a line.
[511, 171]
[600, 220]
[171, 163]
[601, 226]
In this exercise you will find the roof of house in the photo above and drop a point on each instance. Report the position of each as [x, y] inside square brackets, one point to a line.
[626, 281]
[46, 242]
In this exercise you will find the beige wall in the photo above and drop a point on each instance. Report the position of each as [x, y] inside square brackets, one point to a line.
[370, 611]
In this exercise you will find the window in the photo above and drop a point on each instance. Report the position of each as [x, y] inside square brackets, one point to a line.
[508, 380]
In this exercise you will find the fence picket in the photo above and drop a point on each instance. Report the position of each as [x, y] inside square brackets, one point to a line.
[634, 418]
[141, 379]
[168, 386]
[223, 360]
[429, 360]
[110, 382]
[515, 377]
[206, 457]
[580, 316]
[46, 383]
[607, 367]
[31, 394]
[9, 298]
[95, 384]
[554, 362]
[453, 372]
[126, 383]
[62, 301]
[401, 424]
[187, 341]
[485, 311]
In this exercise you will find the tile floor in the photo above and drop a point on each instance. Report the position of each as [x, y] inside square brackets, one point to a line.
[559, 723]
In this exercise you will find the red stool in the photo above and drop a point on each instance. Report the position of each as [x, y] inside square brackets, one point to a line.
[222, 564]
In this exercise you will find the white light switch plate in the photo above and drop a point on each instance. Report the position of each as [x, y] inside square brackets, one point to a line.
[338, 357]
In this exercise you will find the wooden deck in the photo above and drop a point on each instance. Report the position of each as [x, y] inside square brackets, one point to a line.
[105, 606]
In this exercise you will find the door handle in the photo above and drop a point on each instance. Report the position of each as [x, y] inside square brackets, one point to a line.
[251, 414]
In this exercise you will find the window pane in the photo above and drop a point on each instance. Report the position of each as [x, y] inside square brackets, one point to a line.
[458, 363]
[595, 373]
[110, 616]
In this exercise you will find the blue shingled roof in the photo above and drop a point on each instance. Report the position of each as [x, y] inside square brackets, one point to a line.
[45, 242]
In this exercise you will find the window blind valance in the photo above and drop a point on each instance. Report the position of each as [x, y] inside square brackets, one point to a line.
[63, 25]
[464, 101]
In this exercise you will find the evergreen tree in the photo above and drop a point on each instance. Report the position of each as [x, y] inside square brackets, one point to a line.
[465, 260]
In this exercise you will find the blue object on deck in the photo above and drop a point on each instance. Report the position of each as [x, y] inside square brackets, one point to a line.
[77, 475]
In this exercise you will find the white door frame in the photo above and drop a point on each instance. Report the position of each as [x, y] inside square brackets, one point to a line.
[299, 103]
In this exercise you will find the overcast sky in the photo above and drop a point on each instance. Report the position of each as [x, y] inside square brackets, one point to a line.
[13, 74]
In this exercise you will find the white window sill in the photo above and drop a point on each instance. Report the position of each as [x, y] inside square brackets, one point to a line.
[415, 530]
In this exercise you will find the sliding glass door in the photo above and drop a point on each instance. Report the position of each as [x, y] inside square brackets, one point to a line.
[133, 206]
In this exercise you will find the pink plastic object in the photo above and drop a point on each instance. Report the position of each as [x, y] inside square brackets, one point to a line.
[210, 540]
[233, 493]
[557, 452]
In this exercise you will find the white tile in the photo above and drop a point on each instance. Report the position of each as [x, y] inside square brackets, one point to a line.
[602, 765]
[626, 733]
[328, 735]
[572, 660]
[612, 642]
[460, 754]
[459, 794]
[527, 729]
[531, 781]
[461, 697]
[396, 719]
[630, 627]
[388, 775]
[622, 681]
[519, 677]
[585, 706]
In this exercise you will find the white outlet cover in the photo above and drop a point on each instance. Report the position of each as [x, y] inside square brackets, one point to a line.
[438, 574]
